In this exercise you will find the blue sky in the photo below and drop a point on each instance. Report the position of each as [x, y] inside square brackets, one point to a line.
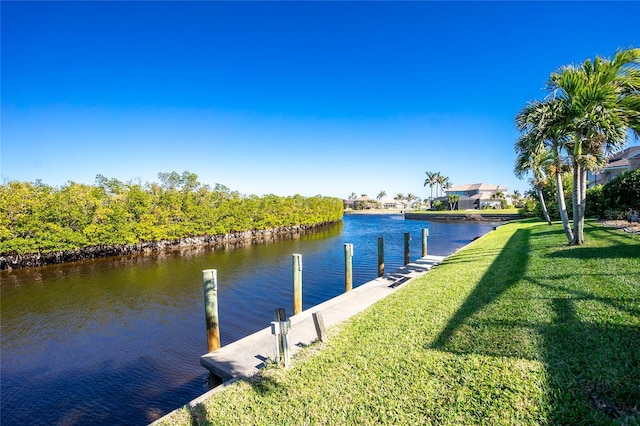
[285, 97]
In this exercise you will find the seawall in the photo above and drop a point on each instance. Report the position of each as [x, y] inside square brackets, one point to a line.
[10, 261]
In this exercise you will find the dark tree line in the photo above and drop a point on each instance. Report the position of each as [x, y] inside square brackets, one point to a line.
[35, 217]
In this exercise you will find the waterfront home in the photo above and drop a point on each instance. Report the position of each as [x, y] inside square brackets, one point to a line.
[624, 161]
[360, 203]
[391, 204]
[476, 196]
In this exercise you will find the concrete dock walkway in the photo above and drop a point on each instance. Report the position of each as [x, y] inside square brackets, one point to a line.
[245, 357]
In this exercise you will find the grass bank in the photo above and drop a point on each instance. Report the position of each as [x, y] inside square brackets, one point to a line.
[517, 328]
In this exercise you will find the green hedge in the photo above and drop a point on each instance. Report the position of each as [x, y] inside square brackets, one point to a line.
[35, 217]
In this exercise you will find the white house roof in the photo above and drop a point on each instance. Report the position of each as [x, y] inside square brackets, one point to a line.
[387, 200]
[360, 199]
[482, 187]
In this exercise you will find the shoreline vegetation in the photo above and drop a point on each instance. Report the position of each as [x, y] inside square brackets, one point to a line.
[41, 224]
[516, 327]
[231, 240]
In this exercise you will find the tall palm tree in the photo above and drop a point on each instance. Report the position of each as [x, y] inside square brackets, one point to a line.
[601, 99]
[441, 181]
[544, 123]
[431, 180]
[533, 157]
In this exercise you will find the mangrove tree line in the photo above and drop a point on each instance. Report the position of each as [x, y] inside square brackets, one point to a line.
[39, 218]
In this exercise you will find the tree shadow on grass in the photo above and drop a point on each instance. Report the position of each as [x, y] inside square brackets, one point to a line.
[502, 275]
[591, 355]
[629, 305]
[596, 230]
[594, 368]
[609, 252]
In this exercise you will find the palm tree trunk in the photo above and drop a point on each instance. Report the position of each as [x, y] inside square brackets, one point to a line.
[543, 205]
[583, 205]
[576, 199]
[562, 206]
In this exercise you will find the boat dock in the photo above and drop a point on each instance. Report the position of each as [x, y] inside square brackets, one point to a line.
[245, 357]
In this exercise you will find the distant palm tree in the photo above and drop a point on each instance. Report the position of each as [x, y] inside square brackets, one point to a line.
[517, 198]
[353, 196]
[441, 179]
[399, 196]
[453, 199]
[381, 195]
[446, 184]
[410, 197]
[431, 180]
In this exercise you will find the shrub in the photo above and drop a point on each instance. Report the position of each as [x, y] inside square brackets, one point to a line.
[623, 192]
[596, 202]
[529, 208]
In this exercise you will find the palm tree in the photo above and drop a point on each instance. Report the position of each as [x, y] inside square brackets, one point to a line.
[517, 198]
[410, 197]
[601, 99]
[431, 180]
[446, 184]
[380, 196]
[533, 158]
[441, 181]
[399, 196]
[544, 124]
[453, 199]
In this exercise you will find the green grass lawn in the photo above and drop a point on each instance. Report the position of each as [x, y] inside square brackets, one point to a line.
[517, 328]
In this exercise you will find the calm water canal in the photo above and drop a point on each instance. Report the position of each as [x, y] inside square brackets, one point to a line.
[118, 341]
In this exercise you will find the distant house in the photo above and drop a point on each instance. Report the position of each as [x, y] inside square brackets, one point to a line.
[624, 161]
[360, 203]
[475, 196]
[390, 203]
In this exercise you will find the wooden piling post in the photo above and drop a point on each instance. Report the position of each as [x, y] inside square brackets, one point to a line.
[407, 240]
[297, 284]
[348, 267]
[425, 234]
[210, 287]
[319, 323]
[380, 256]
